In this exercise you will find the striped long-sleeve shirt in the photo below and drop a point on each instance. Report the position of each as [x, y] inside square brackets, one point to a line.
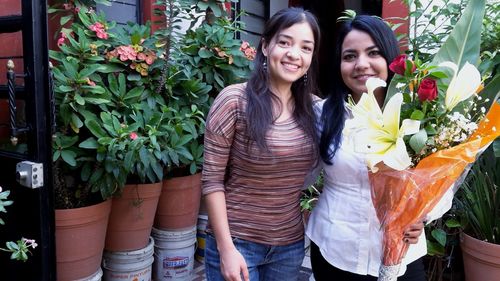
[262, 190]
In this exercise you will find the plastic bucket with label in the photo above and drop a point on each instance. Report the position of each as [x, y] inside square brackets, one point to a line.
[129, 266]
[174, 254]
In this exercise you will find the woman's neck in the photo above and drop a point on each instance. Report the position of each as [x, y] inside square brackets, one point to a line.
[284, 110]
[284, 93]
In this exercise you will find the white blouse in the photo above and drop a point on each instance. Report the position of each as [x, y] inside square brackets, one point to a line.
[344, 224]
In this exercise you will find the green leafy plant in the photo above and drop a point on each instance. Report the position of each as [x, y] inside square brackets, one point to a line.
[104, 88]
[130, 104]
[215, 56]
[195, 66]
[432, 23]
[479, 199]
[21, 248]
[311, 194]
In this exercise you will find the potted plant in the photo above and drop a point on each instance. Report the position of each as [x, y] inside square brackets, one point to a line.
[201, 63]
[106, 134]
[479, 208]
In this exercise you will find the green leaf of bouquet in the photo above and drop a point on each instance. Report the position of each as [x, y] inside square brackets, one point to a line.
[465, 39]
[430, 130]
[461, 46]
[438, 74]
[417, 115]
[491, 92]
[440, 236]
[418, 140]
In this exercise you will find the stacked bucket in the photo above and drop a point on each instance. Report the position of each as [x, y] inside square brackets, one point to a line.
[175, 229]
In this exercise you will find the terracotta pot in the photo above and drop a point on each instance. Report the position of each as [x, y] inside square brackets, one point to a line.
[80, 235]
[132, 215]
[481, 259]
[179, 203]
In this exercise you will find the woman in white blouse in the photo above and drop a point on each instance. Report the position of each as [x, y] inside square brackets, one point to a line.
[343, 227]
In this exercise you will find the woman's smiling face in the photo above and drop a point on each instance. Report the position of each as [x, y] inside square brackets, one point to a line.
[289, 54]
[360, 60]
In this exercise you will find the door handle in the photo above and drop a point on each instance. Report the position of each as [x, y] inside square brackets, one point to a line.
[11, 88]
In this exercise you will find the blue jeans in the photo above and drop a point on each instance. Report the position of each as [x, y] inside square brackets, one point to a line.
[264, 262]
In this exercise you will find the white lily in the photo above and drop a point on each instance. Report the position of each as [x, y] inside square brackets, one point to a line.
[367, 110]
[463, 84]
[382, 137]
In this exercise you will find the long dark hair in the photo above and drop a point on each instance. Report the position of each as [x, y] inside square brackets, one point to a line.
[260, 98]
[333, 115]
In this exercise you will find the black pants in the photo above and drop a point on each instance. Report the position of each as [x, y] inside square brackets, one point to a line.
[323, 271]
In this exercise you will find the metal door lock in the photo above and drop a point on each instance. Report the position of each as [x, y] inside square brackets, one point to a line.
[29, 174]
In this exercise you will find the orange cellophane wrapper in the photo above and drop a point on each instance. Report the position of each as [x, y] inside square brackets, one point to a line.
[402, 198]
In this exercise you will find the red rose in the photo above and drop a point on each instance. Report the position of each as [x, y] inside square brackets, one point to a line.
[398, 65]
[427, 90]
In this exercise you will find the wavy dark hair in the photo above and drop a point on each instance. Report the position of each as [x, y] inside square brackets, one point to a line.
[259, 96]
[334, 113]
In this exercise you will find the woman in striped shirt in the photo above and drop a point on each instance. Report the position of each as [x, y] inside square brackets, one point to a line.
[260, 143]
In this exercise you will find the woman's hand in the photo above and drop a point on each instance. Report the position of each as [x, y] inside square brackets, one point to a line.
[412, 233]
[233, 265]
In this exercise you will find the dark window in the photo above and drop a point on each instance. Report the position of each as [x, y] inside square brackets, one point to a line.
[256, 15]
[122, 11]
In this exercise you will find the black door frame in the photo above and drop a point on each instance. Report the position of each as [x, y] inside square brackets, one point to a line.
[36, 93]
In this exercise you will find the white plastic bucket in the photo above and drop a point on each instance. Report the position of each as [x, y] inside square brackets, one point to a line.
[201, 236]
[129, 266]
[174, 254]
[94, 277]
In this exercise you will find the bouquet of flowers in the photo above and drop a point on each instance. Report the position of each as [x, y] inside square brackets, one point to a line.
[434, 123]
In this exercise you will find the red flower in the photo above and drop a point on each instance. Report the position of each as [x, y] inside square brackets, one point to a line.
[398, 65]
[133, 136]
[427, 90]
